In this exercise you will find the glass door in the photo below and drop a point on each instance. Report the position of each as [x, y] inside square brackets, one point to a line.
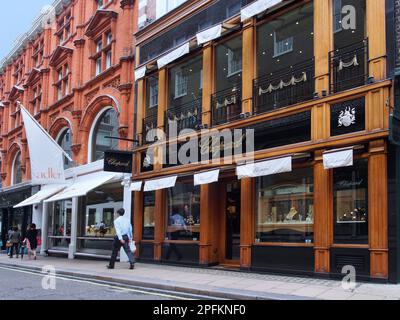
[232, 221]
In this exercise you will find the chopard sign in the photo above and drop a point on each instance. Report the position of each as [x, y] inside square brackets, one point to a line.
[118, 161]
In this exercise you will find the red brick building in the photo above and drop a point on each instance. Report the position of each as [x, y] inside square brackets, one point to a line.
[74, 72]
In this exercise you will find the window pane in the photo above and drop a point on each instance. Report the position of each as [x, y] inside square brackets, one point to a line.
[183, 212]
[65, 142]
[228, 64]
[350, 203]
[344, 33]
[152, 93]
[285, 207]
[107, 126]
[108, 60]
[17, 178]
[60, 224]
[184, 82]
[98, 66]
[149, 204]
[285, 41]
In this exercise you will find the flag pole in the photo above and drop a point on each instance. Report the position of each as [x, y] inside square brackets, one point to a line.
[44, 131]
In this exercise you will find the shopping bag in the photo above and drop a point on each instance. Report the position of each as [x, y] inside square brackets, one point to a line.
[132, 246]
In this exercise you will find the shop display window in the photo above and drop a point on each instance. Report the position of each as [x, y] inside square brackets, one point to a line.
[149, 205]
[183, 212]
[285, 207]
[60, 224]
[350, 203]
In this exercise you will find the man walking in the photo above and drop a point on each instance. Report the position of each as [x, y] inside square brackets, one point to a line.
[123, 229]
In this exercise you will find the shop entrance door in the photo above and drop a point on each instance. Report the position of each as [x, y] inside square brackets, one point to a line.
[232, 223]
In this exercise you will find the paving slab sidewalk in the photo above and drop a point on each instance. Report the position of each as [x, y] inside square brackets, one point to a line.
[218, 283]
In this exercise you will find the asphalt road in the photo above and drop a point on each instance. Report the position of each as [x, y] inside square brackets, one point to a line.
[27, 285]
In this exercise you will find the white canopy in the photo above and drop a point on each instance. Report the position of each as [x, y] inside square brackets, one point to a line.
[46, 192]
[338, 158]
[136, 186]
[209, 34]
[265, 168]
[140, 73]
[159, 184]
[206, 177]
[173, 55]
[83, 185]
[256, 8]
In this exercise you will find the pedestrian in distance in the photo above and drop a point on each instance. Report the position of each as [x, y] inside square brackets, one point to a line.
[15, 239]
[31, 237]
[123, 238]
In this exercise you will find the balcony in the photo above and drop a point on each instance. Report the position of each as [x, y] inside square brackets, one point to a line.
[186, 116]
[284, 87]
[349, 67]
[226, 106]
[149, 123]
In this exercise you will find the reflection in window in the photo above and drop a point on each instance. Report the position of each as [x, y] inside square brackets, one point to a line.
[285, 41]
[60, 224]
[149, 205]
[17, 171]
[65, 142]
[285, 207]
[228, 64]
[107, 126]
[183, 212]
[350, 203]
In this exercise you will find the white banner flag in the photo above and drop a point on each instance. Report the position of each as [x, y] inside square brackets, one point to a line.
[46, 156]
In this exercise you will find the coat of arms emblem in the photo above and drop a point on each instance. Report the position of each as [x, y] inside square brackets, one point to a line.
[347, 117]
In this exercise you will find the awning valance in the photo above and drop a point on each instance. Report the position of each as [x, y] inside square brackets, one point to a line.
[140, 73]
[173, 55]
[265, 168]
[136, 186]
[206, 177]
[257, 7]
[159, 184]
[209, 34]
[338, 158]
[46, 192]
[84, 184]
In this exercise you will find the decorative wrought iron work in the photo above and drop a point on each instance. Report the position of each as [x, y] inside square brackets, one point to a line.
[284, 87]
[226, 105]
[349, 67]
[186, 116]
[149, 123]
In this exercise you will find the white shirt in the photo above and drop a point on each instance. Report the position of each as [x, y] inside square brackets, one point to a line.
[123, 227]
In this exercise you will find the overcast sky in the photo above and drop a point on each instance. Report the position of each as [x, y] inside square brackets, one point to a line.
[16, 17]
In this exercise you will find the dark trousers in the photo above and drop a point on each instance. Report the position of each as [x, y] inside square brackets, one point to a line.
[16, 247]
[117, 247]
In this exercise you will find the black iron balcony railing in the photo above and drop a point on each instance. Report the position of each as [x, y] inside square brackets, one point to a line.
[349, 67]
[186, 116]
[226, 105]
[284, 87]
[148, 129]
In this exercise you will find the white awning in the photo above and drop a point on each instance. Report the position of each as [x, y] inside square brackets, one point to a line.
[338, 158]
[206, 177]
[136, 186]
[209, 34]
[257, 8]
[159, 184]
[173, 55]
[140, 73]
[265, 168]
[83, 185]
[46, 192]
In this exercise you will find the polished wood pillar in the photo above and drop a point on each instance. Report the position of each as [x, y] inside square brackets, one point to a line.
[141, 106]
[323, 214]
[159, 228]
[208, 82]
[323, 42]
[138, 219]
[378, 209]
[248, 67]
[246, 222]
[376, 31]
[162, 97]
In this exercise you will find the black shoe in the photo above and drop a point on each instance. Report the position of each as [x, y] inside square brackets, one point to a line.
[109, 267]
[132, 266]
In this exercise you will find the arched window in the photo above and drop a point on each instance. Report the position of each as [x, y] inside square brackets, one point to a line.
[106, 126]
[16, 169]
[65, 141]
